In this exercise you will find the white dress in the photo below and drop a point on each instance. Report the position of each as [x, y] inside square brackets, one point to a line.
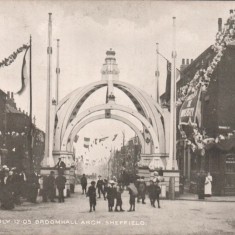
[208, 185]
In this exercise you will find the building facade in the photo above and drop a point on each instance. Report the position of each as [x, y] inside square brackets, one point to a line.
[14, 133]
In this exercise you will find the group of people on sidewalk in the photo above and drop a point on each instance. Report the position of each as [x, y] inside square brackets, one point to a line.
[112, 191]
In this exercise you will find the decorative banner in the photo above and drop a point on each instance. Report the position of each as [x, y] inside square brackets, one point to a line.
[86, 142]
[189, 109]
[12, 57]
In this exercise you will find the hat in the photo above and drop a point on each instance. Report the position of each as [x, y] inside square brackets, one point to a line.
[6, 169]
[111, 182]
[13, 168]
[4, 166]
[93, 182]
[155, 173]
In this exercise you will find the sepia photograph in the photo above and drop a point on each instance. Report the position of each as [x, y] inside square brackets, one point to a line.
[117, 117]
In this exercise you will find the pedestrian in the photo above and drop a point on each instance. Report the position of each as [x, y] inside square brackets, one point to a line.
[44, 180]
[60, 184]
[201, 185]
[50, 191]
[84, 183]
[208, 185]
[60, 165]
[33, 186]
[92, 196]
[133, 194]
[154, 193]
[99, 186]
[111, 194]
[106, 183]
[119, 192]
[6, 197]
[157, 192]
[142, 190]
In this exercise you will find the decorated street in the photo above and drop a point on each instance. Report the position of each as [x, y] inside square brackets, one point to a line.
[73, 217]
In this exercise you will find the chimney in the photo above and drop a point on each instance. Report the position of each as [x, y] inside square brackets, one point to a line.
[20, 109]
[12, 96]
[8, 95]
[219, 24]
[191, 60]
[231, 11]
[183, 61]
[187, 61]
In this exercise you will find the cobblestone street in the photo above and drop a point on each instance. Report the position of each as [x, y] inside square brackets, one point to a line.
[72, 217]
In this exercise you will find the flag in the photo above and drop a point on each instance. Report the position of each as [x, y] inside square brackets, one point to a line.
[115, 136]
[168, 81]
[86, 142]
[23, 74]
[103, 139]
[76, 138]
[95, 141]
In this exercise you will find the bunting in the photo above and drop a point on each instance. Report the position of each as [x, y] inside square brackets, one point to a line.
[12, 57]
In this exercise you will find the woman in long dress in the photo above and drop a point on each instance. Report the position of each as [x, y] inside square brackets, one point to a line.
[208, 185]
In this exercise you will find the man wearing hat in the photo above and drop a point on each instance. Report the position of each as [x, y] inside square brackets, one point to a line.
[99, 186]
[91, 193]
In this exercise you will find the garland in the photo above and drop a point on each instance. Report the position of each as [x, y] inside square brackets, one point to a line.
[12, 57]
[202, 80]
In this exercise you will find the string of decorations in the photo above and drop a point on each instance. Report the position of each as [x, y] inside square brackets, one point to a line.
[10, 59]
[202, 80]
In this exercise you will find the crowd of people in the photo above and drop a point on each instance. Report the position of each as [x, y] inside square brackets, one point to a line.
[17, 186]
[112, 191]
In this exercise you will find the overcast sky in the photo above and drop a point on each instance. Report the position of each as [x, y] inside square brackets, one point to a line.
[88, 29]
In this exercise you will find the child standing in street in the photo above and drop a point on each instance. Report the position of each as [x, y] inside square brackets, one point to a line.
[91, 193]
[119, 197]
[111, 194]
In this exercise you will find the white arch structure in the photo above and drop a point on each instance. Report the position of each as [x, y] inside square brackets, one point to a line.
[69, 120]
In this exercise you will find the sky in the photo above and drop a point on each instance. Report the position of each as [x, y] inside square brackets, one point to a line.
[87, 29]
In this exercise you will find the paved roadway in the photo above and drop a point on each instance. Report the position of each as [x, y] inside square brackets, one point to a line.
[174, 217]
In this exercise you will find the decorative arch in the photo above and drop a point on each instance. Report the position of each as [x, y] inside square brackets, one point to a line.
[68, 109]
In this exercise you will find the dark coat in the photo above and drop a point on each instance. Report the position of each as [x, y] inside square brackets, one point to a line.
[60, 181]
[100, 184]
[84, 181]
[91, 193]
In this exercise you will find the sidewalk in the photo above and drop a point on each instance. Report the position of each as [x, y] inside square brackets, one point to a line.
[194, 197]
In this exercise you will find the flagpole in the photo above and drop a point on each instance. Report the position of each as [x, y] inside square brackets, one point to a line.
[48, 101]
[157, 73]
[30, 106]
[57, 71]
[172, 154]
